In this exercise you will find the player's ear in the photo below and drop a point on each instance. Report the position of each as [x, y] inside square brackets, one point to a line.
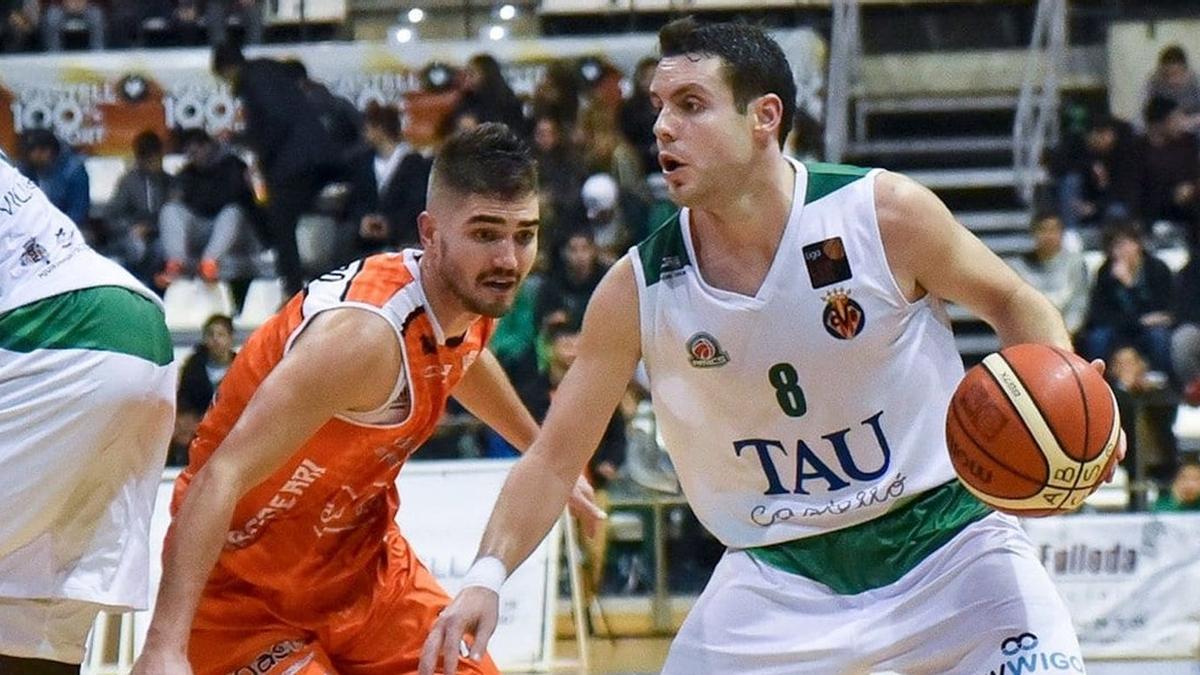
[768, 115]
[426, 225]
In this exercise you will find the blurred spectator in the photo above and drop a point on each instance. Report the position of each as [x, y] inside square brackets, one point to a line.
[139, 23]
[1061, 275]
[60, 173]
[612, 235]
[556, 95]
[398, 177]
[1184, 494]
[248, 14]
[1130, 302]
[607, 151]
[293, 148]
[560, 177]
[1147, 410]
[515, 341]
[133, 211]
[1185, 340]
[203, 371]
[1174, 80]
[1097, 175]
[72, 15]
[638, 114]
[1168, 165]
[205, 226]
[574, 275]
[563, 341]
[198, 381]
[487, 97]
[18, 25]
[807, 140]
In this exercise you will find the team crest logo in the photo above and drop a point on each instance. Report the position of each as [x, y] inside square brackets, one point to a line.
[844, 318]
[34, 253]
[705, 352]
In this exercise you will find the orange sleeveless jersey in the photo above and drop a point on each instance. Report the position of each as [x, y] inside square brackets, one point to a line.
[320, 520]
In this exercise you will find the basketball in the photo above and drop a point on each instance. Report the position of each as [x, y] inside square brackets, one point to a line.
[1031, 430]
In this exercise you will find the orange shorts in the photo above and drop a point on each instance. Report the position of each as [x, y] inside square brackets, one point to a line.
[381, 632]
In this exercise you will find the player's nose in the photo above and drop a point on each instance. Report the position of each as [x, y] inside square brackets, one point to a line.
[663, 127]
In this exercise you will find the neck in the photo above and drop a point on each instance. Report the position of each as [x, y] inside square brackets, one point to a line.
[386, 148]
[756, 217]
[447, 310]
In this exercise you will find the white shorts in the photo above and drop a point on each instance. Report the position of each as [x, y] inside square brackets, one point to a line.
[55, 630]
[83, 440]
[980, 602]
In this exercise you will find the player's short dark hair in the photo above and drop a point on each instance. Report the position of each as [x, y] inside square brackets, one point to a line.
[146, 145]
[1172, 55]
[227, 54]
[488, 160]
[753, 62]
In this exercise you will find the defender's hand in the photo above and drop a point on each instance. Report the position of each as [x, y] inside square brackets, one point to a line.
[475, 610]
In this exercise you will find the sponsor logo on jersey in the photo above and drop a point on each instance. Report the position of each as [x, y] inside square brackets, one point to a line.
[705, 352]
[843, 317]
[34, 253]
[285, 499]
[64, 237]
[827, 262]
[17, 196]
[273, 656]
[671, 265]
[1020, 654]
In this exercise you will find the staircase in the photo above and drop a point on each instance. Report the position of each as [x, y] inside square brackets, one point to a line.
[961, 148]
[966, 121]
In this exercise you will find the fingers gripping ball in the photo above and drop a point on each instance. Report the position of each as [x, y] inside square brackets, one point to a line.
[1032, 429]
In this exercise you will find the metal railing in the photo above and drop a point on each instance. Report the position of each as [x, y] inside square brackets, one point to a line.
[845, 60]
[1037, 121]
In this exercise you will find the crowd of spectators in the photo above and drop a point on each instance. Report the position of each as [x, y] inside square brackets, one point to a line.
[1124, 190]
[53, 25]
[1130, 191]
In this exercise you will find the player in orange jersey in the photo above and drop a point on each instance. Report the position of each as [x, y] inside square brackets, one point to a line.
[284, 555]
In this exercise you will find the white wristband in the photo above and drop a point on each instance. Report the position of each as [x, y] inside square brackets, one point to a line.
[487, 572]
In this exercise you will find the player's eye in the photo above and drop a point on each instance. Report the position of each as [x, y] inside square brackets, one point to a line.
[525, 237]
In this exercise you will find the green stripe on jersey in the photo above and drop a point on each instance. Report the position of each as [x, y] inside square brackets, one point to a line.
[878, 552]
[825, 179]
[104, 318]
[663, 251]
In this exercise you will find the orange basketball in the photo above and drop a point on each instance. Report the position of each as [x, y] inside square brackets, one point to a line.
[1032, 429]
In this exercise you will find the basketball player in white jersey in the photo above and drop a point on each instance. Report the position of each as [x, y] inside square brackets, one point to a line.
[87, 401]
[791, 320]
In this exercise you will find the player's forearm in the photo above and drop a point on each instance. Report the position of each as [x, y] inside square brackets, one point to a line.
[198, 535]
[1027, 316]
[533, 497]
[486, 392]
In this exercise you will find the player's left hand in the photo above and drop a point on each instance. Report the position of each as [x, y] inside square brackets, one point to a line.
[583, 506]
[1119, 454]
[474, 610]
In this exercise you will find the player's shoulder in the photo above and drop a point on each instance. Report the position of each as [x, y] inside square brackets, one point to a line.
[825, 179]
[663, 252]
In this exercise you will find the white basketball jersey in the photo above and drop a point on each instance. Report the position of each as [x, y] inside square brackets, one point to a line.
[815, 405]
[42, 253]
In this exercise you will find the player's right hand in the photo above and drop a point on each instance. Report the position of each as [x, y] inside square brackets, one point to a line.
[161, 662]
[475, 610]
